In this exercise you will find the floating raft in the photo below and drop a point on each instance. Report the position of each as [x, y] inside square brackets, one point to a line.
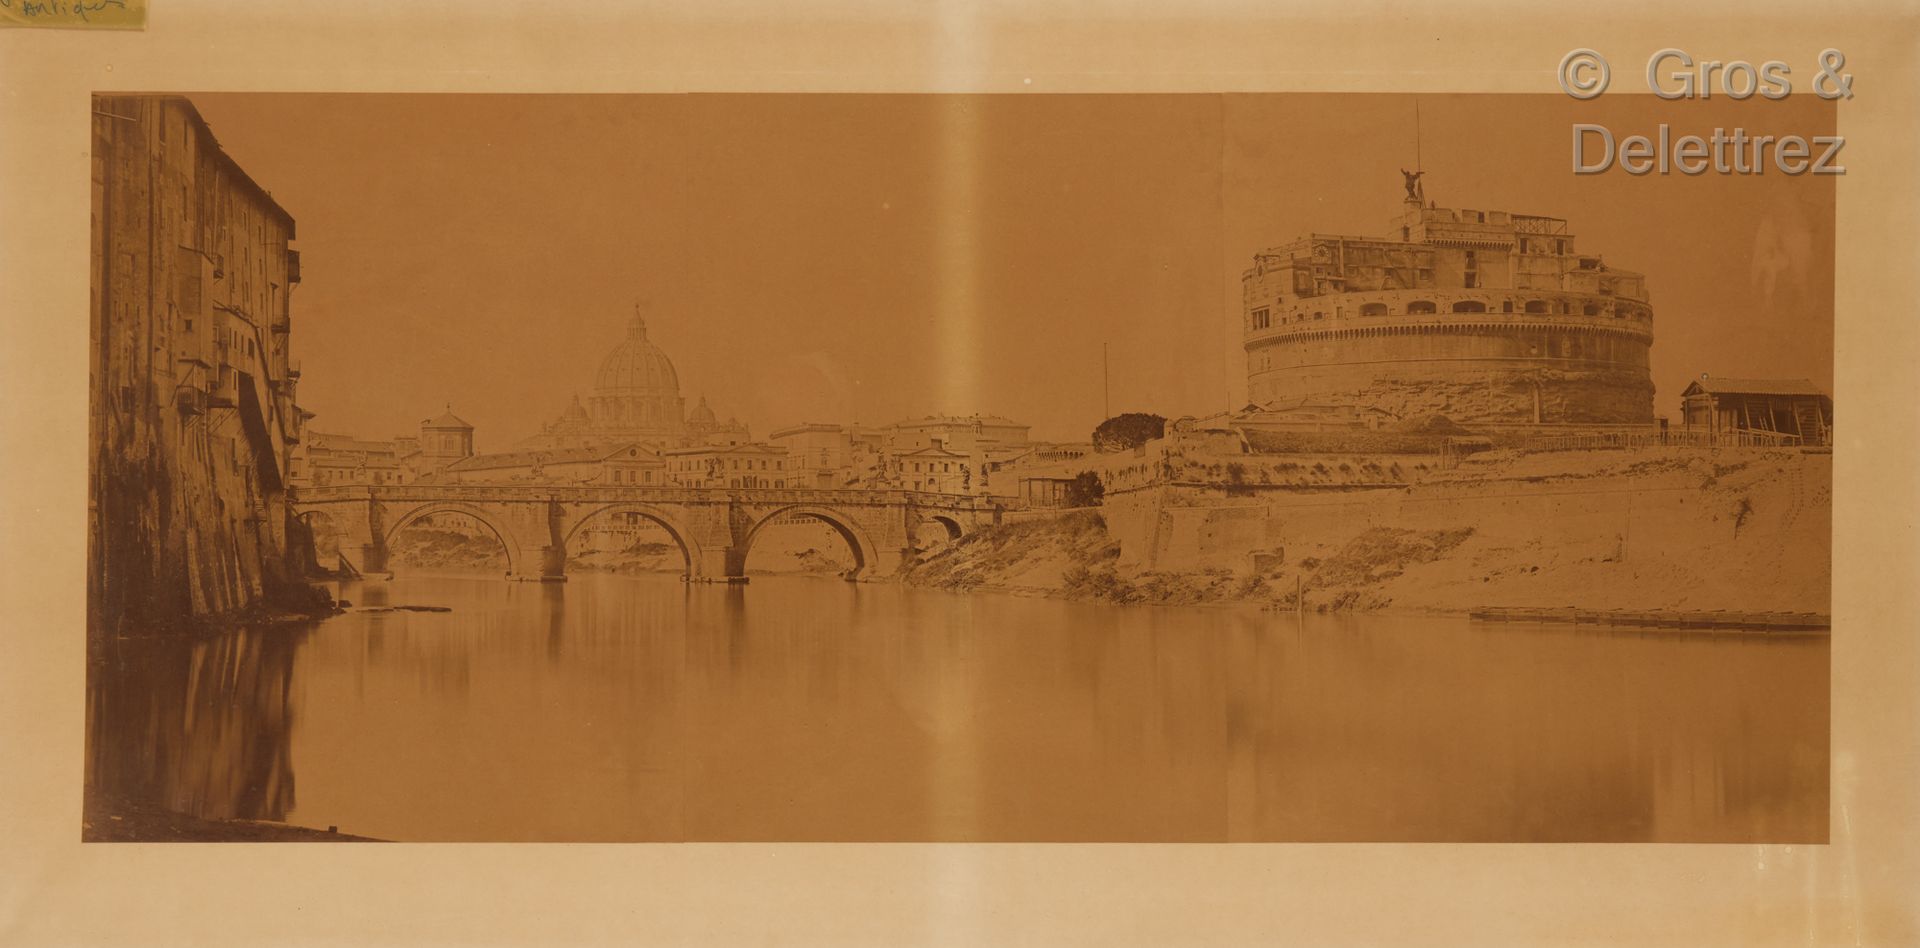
[1719, 619]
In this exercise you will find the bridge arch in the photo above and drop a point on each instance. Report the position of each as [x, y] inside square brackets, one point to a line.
[317, 520]
[508, 541]
[689, 547]
[865, 554]
[319, 539]
[955, 529]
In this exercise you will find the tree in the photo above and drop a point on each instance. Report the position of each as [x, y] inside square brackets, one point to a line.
[1128, 431]
[1085, 490]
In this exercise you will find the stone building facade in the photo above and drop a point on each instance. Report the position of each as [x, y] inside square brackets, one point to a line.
[965, 434]
[193, 411]
[624, 464]
[324, 459]
[1477, 315]
[939, 470]
[737, 465]
[943, 453]
[444, 440]
[828, 455]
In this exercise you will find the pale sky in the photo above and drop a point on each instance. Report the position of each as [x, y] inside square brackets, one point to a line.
[869, 258]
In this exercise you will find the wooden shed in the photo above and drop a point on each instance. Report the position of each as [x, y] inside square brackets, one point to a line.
[1758, 411]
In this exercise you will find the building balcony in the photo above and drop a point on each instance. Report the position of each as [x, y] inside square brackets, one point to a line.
[190, 399]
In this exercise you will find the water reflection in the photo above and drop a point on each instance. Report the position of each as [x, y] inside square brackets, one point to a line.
[641, 708]
[202, 728]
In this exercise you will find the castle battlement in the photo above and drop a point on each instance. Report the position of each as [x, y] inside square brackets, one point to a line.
[1477, 314]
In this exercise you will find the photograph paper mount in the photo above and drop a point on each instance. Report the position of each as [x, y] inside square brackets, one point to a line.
[198, 517]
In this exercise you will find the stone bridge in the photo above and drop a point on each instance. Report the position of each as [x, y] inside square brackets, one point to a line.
[714, 527]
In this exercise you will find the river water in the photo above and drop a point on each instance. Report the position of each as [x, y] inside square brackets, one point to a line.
[616, 708]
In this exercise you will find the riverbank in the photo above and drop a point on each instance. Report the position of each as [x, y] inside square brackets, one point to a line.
[111, 820]
[295, 602]
[1647, 530]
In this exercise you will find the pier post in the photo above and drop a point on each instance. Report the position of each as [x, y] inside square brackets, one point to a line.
[884, 564]
[553, 564]
[721, 565]
[373, 558]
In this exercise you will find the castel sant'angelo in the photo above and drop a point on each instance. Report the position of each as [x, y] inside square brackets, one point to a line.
[1481, 316]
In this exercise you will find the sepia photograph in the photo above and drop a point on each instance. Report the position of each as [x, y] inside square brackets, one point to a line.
[958, 473]
[1291, 467]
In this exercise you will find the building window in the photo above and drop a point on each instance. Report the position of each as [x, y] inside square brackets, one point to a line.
[1536, 306]
[1262, 318]
[1421, 307]
[1469, 306]
[1374, 309]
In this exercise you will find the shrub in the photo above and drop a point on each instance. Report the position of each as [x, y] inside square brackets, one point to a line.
[1128, 431]
[1085, 490]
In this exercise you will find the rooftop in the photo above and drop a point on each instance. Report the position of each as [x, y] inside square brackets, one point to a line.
[937, 420]
[339, 442]
[487, 462]
[446, 420]
[806, 426]
[1731, 386]
[751, 447]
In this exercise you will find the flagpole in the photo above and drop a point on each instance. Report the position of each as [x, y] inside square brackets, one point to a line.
[1106, 386]
[1417, 166]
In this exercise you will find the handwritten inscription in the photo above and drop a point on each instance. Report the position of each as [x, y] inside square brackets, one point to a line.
[75, 14]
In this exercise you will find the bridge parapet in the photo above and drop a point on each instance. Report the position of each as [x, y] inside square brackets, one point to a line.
[534, 493]
[714, 527]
